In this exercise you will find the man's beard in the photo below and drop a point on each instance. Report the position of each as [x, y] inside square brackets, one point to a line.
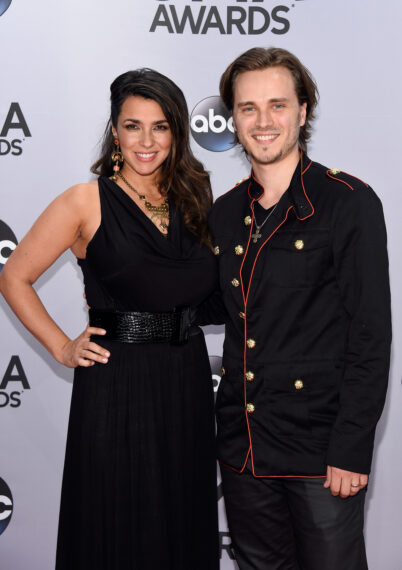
[271, 158]
[268, 159]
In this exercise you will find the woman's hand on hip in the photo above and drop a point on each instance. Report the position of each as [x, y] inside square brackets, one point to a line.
[84, 352]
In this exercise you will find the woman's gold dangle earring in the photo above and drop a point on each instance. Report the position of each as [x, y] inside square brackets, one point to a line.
[117, 158]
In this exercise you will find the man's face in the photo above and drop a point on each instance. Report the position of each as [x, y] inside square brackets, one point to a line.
[267, 114]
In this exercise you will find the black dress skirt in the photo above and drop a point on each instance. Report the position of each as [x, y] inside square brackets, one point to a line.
[139, 485]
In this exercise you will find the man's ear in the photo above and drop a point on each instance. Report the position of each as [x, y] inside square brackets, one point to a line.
[303, 114]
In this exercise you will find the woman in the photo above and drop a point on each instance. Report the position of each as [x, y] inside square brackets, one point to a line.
[139, 486]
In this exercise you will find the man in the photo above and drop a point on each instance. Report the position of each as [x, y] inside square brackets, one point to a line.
[304, 279]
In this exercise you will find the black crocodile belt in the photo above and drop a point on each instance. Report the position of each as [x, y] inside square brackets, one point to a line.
[142, 327]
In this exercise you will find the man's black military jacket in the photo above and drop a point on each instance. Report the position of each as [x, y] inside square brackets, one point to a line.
[306, 352]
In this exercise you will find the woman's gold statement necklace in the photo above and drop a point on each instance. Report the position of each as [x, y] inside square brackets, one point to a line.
[161, 212]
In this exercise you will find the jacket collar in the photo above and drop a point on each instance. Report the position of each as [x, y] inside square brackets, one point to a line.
[296, 195]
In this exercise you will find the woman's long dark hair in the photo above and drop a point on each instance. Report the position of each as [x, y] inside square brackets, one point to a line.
[182, 175]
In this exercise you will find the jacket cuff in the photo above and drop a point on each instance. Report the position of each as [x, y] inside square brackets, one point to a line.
[352, 452]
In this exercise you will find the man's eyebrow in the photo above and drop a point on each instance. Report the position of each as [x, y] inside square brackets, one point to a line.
[243, 103]
[272, 100]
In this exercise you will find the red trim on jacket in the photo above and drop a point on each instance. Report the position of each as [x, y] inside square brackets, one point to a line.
[233, 468]
[304, 188]
[231, 190]
[259, 184]
[245, 299]
[245, 254]
[330, 175]
[307, 167]
[270, 476]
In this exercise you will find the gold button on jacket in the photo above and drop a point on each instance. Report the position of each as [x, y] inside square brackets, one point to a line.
[250, 408]
[251, 343]
[235, 282]
[298, 384]
[250, 376]
[239, 250]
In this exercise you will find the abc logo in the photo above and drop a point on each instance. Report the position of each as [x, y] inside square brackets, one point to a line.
[8, 242]
[4, 4]
[6, 505]
[212, 125]
[216, 367]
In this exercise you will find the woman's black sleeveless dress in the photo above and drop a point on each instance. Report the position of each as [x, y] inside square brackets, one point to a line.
[139, 485]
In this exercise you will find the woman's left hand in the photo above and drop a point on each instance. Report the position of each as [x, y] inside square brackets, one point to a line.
[84, 352]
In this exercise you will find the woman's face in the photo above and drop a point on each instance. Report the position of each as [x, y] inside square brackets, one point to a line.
[145, 136]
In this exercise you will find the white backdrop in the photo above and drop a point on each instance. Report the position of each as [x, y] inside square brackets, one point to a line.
[58, 60]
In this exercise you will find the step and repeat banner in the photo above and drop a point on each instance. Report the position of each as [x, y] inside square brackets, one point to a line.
[57, 62]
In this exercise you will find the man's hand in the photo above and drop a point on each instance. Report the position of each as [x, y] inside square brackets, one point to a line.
[344, 483]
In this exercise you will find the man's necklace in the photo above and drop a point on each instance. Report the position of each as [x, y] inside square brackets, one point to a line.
[257, 235]
[161, 211]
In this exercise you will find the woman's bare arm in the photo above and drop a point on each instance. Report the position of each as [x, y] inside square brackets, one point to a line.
[66, 223]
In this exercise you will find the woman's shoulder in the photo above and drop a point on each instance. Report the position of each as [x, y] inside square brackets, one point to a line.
[81, 195]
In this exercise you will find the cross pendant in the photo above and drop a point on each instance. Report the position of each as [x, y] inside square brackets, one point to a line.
[256, 236]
